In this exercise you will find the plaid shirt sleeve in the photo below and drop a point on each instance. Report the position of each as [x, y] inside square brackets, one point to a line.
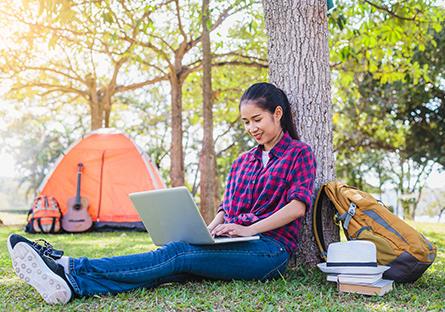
[249, 218]
[302, 177]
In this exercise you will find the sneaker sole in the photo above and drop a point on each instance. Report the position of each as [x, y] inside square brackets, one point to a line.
[29, 267]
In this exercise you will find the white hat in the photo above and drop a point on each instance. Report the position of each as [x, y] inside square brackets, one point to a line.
[352, 257]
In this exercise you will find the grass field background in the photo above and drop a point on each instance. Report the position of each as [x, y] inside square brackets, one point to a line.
[299, 289]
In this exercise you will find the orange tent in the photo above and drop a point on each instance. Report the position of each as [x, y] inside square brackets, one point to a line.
[113, 167]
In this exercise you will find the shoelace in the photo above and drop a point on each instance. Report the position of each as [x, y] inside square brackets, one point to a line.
[47, 249]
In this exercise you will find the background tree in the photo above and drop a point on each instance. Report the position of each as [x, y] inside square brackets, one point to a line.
[72, 51]
[207, 159]
[378, 119]
[172, 51]
[128, 33]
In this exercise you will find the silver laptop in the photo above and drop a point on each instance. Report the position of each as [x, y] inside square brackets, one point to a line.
[172, 215]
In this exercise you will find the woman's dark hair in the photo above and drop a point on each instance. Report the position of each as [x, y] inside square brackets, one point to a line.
[268, 97]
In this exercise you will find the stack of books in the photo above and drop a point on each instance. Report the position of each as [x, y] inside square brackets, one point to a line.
[369, 284]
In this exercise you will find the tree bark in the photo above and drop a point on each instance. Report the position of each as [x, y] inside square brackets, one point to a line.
[177, 153]
[107, 106]
[96, 116]
[96, 108]
[299, 64]
[207, 159]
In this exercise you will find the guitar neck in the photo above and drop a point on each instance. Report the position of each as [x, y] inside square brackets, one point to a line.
[78, 189]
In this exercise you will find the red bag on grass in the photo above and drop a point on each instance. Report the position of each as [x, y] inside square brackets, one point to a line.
[44, 216]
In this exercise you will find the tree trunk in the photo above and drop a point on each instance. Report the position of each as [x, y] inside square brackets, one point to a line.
[107, 107]
[299, 64]
[407, 208]
[96, 115]
[440, 214]
[176, 150]
[207, 158]
[96, 107]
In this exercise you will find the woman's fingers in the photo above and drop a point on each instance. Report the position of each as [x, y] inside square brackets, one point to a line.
[216, 229]
[221, 229]
[211, 227]
[232, 229]
[228, 229]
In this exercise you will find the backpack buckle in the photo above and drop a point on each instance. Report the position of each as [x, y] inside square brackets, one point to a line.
[348, 215]
[351, 210]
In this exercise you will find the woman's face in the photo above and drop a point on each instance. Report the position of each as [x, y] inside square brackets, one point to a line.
[261, 124]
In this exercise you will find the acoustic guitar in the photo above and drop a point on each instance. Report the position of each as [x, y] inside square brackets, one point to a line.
[77, 218]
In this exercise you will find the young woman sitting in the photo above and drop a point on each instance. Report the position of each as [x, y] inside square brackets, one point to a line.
[268, 190]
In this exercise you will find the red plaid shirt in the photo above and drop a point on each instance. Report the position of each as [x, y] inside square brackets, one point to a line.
[254, 192]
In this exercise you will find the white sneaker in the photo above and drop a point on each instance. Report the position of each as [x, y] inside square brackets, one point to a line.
[41, 272]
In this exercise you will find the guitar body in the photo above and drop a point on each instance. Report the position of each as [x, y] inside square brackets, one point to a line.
[77, 219]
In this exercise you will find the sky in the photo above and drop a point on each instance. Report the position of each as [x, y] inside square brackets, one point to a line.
[6, 166]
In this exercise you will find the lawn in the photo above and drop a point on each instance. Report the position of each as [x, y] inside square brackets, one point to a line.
[299, 289]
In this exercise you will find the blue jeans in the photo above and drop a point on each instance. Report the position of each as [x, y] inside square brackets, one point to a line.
[260, 259]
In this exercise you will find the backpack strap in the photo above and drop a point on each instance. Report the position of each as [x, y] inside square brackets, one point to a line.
[47, 202]
[30, 211]
[53, 225]
[56, 205]
[317, 222]
[39, 223]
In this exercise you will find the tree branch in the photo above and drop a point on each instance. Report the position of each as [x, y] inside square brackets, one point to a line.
[162, 40]
[219, 154]
[149, 45]
[220, 19]
[236, 54]
[153, 66]
[178, 15]
[138, 85]
[39, 68]
[71, 67]
[117, 67]
[64, 89]
[225, 132]
[392, 13]
[249, 64]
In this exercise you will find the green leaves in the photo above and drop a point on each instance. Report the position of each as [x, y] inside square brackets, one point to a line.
[382, 82]
[383, 36]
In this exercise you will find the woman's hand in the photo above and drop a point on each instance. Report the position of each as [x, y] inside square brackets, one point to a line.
[232, 229]
[219, 218]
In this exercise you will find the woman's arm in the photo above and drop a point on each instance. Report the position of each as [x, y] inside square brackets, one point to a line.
[285, 215]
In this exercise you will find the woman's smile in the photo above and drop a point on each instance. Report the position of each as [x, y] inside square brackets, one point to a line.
[257, 136]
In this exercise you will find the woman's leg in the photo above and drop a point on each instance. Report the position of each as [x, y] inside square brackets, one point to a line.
[260, 259]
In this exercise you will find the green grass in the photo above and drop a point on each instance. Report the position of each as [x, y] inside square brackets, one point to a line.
[299, 289]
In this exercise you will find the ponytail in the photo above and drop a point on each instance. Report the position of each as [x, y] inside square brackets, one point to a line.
[287, 121]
